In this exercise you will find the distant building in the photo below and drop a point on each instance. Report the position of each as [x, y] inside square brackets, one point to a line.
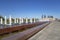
[48, 18]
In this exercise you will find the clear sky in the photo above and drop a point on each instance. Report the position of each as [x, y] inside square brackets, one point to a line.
[30, 8]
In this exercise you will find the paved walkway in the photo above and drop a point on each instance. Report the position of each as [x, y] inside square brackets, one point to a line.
[51, 32]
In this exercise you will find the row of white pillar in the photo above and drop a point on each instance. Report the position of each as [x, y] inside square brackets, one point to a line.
[15, 21]
[21, 20]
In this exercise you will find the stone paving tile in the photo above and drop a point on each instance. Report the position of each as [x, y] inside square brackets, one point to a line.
[50, 32]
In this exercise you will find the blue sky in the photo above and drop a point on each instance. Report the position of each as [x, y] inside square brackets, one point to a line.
[30, 8]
